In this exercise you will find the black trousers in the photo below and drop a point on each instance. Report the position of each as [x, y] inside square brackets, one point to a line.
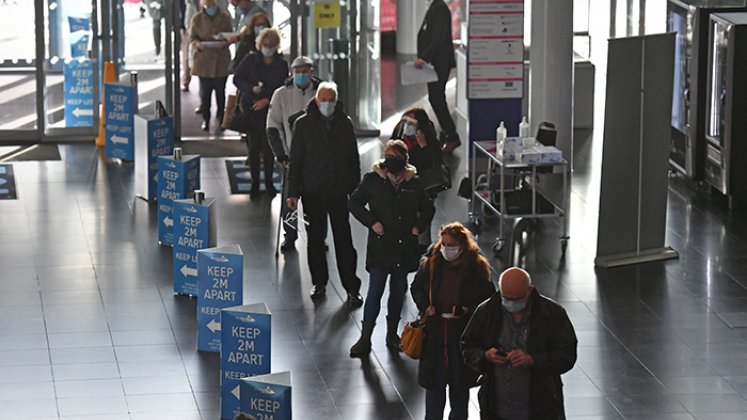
[317, 209]
[437, 98]
[207, 86]
[157, 35]
[259, 147]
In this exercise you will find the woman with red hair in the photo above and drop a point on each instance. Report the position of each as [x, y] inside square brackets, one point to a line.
[453, 279]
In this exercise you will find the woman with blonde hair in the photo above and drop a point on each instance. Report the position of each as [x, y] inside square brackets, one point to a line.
[248, 38]
[257, 77]
[453, 279]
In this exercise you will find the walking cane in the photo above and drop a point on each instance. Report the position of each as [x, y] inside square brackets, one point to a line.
[280, 217]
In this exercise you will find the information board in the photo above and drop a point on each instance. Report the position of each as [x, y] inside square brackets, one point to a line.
[245, 351]
[119, 102]
[177, 180]
[220, 281]
[194, 229]
[267, 396]
[496, 49]
[78, 86]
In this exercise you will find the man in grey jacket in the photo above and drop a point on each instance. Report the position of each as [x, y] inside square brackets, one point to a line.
[288, 103]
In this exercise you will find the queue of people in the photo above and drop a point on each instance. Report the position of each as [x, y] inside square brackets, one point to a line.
[512, 342]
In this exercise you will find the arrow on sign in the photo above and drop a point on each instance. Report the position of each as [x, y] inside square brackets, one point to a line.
[169, 222]
[213, 326]
[188, 272]
[87, 112]
[120, 140]
[235, 392]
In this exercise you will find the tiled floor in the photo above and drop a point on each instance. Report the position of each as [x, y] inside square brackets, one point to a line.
[90, 327]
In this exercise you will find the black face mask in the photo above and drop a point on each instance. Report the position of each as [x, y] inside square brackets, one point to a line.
[394, 164]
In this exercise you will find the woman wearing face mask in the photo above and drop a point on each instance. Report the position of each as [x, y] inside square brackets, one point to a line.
[257, 77]
[418, 132]
[248, 39]
[453, 279]
[398, 210]
[211, 59]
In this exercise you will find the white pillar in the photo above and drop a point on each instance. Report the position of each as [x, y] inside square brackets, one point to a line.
[551, 70]
[410, 15]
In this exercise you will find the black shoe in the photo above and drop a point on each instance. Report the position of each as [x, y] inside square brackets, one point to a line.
[205, 126]
[288, 245]
[355, 300]
[198, 110]
[326, 246]
[254, 192]
[317, 292]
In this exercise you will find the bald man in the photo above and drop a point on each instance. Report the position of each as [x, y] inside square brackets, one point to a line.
[521, 342]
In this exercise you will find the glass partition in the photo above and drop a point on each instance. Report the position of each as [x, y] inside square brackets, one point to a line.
[17, 67]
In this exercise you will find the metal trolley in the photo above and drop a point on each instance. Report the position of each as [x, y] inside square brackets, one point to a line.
[508, 190]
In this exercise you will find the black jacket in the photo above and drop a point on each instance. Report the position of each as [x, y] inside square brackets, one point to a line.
[250, 73]
[324, 158]
[476, 288]
[398, 210]
[434, 39]
[552, 343]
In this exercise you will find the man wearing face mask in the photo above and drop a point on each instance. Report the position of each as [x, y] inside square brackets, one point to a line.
[287, 103]
[452, 280]
[324, 169]
[521, 342]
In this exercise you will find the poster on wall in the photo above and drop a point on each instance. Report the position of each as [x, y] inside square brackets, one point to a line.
[496, 49]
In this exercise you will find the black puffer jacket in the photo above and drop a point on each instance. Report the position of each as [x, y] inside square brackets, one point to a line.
[398, 210]
[324, 155]
[251, 72]
[422, 158]
[476, 288]
[552, 343]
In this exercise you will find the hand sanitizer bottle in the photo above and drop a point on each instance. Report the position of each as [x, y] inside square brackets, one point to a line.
[500, 137]
[524, 128]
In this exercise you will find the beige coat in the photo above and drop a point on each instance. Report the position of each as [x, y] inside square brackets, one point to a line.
[210, 62]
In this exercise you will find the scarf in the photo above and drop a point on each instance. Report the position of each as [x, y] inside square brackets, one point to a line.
[396, 179]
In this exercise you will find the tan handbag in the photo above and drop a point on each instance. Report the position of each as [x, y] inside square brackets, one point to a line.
[414, 333]
[231, 101]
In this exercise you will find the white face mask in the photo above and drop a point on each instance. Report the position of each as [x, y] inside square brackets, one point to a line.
[327, 108]
[450, 253]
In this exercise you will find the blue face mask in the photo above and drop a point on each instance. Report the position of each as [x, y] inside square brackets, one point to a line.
[258, 29]
[513, 305]
[211, 11]
[268, 52]
[327, 108]
[410, 130]
[301, 80]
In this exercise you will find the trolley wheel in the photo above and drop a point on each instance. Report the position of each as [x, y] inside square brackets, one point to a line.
[498, 246]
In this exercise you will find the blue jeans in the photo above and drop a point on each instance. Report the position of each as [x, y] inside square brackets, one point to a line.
[448, 370]
[376, 285]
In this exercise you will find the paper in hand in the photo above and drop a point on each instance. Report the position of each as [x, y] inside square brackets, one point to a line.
[411, 75]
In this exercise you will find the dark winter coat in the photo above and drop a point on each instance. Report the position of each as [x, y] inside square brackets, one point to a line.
[398, 211]
[251, 71]
[551, 343]
[434, 39]
[324, 158]
[476, 288]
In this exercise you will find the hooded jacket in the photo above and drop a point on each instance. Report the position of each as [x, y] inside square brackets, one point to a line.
[398, 210]
[551, 343]
[287, 101]
[324, 155]
[476, 287]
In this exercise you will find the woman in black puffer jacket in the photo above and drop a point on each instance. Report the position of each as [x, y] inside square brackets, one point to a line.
[398, 210]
